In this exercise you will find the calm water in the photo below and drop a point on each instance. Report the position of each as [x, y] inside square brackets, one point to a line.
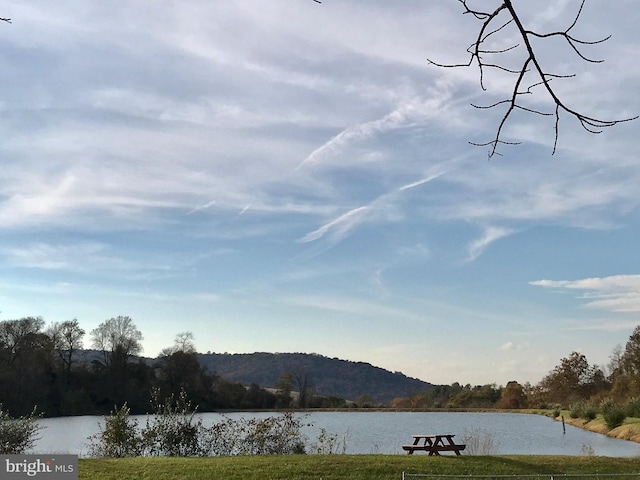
[386, 432]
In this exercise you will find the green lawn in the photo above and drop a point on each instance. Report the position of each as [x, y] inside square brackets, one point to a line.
[337, 467]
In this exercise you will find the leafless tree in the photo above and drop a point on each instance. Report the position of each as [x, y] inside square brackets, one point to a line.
[184, 342]
[67, 339]
[118, 338]
[530, 75]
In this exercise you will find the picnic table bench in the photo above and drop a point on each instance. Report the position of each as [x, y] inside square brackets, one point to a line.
[434, 444]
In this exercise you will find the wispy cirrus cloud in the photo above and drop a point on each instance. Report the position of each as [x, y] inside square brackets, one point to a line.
[410, 111]
[617, 293]
[491, 234]
[380, 209]
[422, 181]
[339, 228]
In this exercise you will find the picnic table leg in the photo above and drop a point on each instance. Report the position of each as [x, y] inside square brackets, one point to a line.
[453, 444]
[429, 442]
[416, 441]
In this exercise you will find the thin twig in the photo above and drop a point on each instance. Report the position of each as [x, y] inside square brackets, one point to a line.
[530, 65]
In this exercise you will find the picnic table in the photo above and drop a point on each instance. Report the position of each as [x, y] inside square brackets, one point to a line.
[434, 444]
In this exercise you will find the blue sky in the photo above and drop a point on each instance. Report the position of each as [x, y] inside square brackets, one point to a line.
[285, 176]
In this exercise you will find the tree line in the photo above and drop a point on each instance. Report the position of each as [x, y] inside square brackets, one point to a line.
[573, 383]
[46, 366]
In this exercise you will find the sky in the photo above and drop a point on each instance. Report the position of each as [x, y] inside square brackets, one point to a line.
[290, 176]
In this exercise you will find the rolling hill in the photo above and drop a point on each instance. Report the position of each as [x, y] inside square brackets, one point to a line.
[327, 376]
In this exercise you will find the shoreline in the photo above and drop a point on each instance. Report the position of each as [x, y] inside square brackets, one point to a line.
[629, 430]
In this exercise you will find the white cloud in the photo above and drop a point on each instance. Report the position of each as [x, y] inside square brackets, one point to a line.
[491, 234]
[339, 227]
[513, 347]
[421, 182]
[411, 111]
[618, 293]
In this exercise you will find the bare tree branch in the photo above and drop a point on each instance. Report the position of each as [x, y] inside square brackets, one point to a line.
[531, 65]
[8, 20]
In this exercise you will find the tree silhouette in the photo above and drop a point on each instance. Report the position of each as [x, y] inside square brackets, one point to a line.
[67, 340]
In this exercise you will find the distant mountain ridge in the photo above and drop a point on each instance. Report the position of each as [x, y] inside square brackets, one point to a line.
[327, 376]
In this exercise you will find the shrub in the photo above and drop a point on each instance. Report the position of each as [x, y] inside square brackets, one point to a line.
[613, 415]
[17, 435]
[119, 438]
[171, 430]
[632, 408]
[330, 443]
[278, 435]
[583, 409]
[479, 442]
[275, 435]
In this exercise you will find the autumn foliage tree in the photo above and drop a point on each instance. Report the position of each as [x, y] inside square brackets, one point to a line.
[625, 374]
[572, 380]
[512, 396]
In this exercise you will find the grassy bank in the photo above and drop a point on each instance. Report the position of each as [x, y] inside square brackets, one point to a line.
[337, 467]
[629, 430]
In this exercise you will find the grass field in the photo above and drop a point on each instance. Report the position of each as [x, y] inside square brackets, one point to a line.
[338, 467]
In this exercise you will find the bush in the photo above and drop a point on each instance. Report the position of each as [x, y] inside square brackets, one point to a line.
[171, 430]
[119, 438]
[278, 435]
[330, 443]
[583, 409]
[479, 442]
[17, 435]
[632, 408]
[613, 415]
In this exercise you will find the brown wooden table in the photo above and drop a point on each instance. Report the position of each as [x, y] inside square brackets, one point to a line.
[434, 444]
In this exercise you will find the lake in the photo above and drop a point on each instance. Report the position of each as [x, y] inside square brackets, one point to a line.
[386, 432]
